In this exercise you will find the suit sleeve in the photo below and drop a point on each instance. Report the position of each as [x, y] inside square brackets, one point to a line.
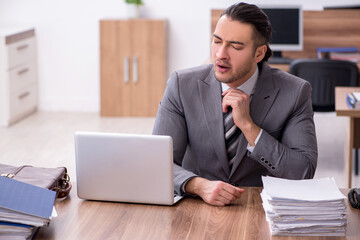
[294, 154]
[170, 121]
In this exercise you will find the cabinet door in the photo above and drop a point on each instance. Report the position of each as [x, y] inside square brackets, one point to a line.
[148, 66]
[115, 50]
[133, 65]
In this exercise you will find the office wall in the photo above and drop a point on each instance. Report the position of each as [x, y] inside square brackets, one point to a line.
[68, 40]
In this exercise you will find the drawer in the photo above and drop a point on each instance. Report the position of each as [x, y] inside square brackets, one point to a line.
[21, 52]
[23, 102]
[22, 76]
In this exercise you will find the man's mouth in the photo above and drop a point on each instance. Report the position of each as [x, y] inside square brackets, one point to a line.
[222, 67]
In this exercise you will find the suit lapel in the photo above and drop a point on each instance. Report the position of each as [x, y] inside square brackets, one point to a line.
[263, 97]
[210, 94]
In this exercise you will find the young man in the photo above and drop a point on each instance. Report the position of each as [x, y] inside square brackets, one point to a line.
[237, 119]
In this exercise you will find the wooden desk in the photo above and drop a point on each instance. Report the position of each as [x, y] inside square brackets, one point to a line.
[188, 219]
[286, 67]
[352, 136]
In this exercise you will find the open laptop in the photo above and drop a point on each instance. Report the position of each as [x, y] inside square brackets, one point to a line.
[125, 168]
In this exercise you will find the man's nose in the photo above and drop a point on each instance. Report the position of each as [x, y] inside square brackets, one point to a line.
[222, 52]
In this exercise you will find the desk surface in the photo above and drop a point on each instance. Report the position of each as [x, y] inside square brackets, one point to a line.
[189, 219]
[341, 107]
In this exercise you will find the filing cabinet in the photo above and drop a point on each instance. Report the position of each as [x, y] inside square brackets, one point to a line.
[18, 75]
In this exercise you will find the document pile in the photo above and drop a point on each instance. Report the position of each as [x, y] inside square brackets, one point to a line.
[23, 208]
[313, 207]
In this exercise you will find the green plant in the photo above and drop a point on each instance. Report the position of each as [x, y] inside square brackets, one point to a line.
[136, 2]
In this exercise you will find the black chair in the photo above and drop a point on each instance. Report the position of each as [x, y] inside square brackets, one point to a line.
[324, 75]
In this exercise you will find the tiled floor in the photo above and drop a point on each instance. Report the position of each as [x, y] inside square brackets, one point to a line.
[47, 139]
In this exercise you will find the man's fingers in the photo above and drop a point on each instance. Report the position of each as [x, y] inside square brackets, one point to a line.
[228, 196]
[233, 191]
[224, 107]
[227, 193]
[232, 97]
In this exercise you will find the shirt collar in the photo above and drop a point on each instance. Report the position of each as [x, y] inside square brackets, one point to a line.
[248, 86]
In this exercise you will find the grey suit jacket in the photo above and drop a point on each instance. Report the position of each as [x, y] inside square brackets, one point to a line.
[191, 113]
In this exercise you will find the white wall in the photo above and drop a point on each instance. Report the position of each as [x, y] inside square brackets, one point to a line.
[68, 40]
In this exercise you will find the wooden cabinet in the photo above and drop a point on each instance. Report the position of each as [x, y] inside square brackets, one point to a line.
[132, 66]
[18, 74]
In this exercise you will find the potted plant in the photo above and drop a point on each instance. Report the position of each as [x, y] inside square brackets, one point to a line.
[133, 8]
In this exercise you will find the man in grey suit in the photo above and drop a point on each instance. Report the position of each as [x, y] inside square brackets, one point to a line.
[272, 131]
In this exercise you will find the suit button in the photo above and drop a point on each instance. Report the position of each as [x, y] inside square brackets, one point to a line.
[273, 168]
[262, 159]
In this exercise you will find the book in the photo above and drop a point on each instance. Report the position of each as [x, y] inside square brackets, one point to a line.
[326, 52]
[16, 231]
[353, 100]
[345, 56]
[24, 203]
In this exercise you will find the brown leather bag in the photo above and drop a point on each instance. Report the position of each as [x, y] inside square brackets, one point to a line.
[55, 179]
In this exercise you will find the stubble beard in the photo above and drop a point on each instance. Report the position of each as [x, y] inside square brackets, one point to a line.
[239, 74]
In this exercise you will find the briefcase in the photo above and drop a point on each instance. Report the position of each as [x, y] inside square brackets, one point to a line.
[55, 179]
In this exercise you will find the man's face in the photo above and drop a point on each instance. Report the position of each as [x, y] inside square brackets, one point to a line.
[233, 53]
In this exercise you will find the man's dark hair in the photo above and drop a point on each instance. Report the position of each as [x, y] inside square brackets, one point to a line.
[251, 14]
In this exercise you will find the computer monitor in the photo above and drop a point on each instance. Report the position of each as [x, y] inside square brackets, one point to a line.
[287, 28]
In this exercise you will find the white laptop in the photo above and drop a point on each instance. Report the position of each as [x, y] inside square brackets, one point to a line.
[125, 168]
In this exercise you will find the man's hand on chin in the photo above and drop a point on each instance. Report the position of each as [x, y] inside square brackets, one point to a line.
[215, 193]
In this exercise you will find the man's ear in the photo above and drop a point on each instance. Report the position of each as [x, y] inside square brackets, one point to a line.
[260, 53]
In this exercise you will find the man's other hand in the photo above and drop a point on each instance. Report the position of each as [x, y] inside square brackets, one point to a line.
[216, 193]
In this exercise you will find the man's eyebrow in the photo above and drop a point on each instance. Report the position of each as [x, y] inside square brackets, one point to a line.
[216, 36]
[232, 42]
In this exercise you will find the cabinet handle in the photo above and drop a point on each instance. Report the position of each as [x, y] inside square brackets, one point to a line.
[21, 72]
[25, 94]
[126, 69]
[22, 47]
[135, 69]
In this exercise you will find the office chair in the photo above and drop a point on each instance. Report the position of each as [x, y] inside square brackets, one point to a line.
[324, 75]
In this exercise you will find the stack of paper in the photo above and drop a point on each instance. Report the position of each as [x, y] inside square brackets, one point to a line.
[23, 208]
[313, 207]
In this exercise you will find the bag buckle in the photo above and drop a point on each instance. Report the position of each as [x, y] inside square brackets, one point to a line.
[8, 175]
[65, 180]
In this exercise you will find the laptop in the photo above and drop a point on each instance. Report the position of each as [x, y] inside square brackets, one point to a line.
[131, 168]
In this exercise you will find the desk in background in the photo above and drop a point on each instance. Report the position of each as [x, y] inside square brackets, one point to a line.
[352, 136]
[286, 67]
[190, 218]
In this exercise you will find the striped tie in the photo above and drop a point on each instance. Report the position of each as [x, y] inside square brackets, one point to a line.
[232, 133]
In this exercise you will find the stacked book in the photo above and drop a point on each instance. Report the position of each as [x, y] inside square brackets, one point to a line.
[351, 56]
[23, 208]
[353, 100]
[313, 207]
[339, 53]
